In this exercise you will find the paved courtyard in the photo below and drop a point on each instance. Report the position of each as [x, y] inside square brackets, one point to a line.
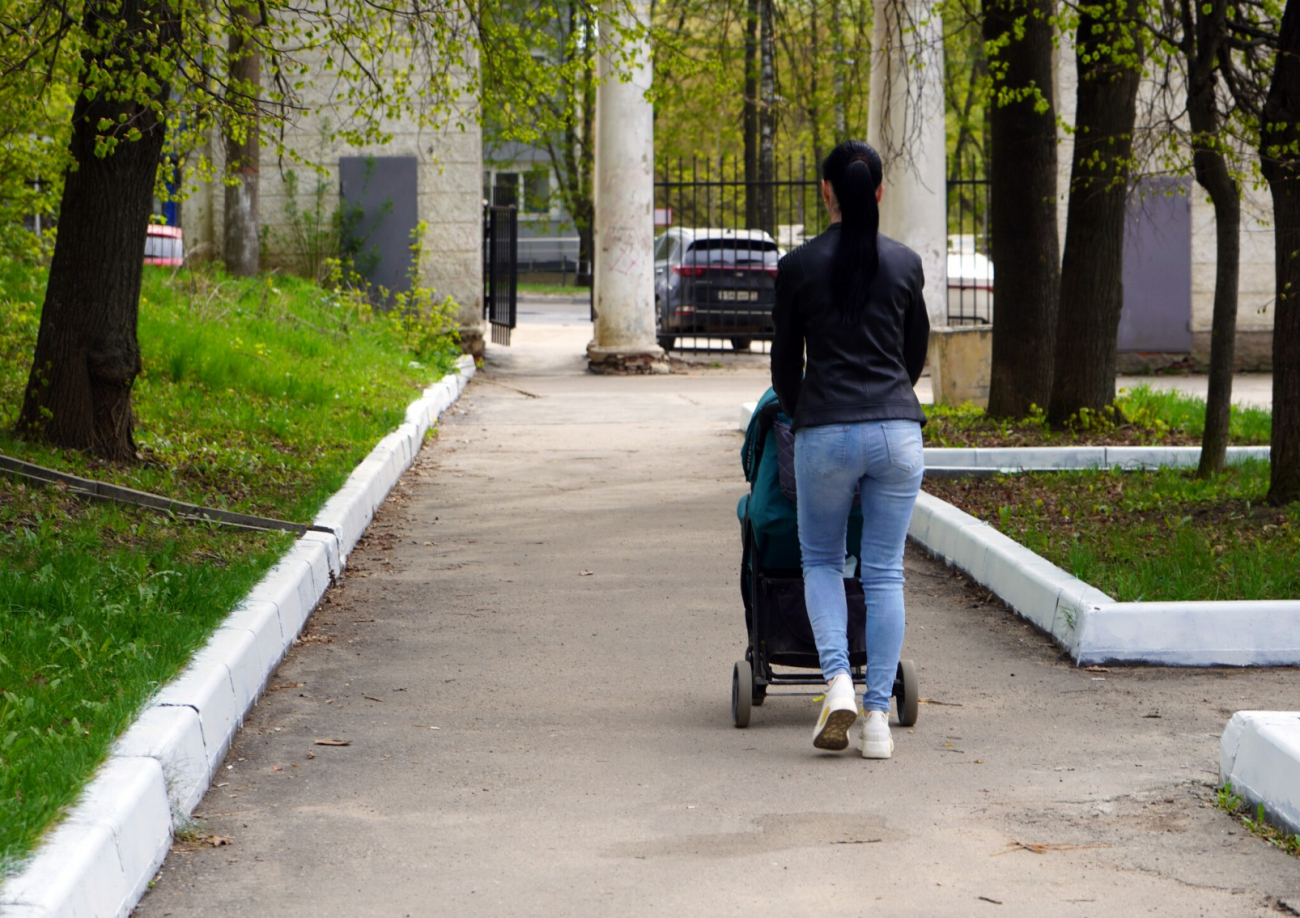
[529, 658]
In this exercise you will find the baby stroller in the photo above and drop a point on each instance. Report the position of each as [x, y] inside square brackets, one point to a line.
[771, 579]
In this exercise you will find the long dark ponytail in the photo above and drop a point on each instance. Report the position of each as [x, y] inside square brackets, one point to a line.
[854, 170]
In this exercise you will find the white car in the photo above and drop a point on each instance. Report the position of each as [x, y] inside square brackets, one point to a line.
[970, 283]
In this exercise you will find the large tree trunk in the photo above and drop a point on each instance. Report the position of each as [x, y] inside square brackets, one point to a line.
[1092, 266]
[751, 113]
[87, 356]
[1212, 174]
[1022, 169]
[1280, 155]
[837, 76]
[241, 242]
[767, 119]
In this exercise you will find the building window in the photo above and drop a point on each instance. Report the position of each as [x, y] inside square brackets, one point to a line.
[537, 191]
[506, 190]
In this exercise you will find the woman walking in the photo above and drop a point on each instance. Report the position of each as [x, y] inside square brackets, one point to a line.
[852, 298]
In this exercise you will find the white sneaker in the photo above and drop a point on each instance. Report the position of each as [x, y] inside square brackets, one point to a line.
[839, 709]
[870, 733]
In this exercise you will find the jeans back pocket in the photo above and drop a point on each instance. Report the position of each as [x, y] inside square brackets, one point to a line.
[823, 450]
[903, 440]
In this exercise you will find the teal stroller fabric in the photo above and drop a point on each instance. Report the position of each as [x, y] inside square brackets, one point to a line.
[773, 518]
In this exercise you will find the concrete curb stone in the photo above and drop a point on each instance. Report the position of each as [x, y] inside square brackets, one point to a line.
[99, 861]
[1259, 754]
[108, 848]
[1091, 626]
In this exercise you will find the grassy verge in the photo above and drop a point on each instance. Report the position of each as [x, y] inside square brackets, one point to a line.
[567, 289]
[1138, 536]
[1145, 417]
[257, 395]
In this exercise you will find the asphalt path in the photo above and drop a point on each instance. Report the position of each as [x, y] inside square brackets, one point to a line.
[529, 658]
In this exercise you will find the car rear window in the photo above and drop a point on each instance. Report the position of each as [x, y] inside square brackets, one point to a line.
[731, 251]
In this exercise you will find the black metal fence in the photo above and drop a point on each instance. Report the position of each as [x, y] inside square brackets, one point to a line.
[713, 193]
[500, 268]
[970, 267]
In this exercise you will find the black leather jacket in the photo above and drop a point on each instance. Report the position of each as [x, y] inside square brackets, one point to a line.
[860, 372]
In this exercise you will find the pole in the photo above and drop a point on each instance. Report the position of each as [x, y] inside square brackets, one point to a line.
[906, 126]
[624, 198]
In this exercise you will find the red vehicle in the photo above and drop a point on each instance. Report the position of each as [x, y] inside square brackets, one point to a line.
[165, 245]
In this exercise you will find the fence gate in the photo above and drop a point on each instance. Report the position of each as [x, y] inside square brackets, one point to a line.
[500, 268]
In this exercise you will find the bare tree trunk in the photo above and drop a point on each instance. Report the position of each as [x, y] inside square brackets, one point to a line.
[751, 113]
[1212, 174]
[242, 224]
[767, 119]
[1280, 155]
[87, 356]
[814, 103]
[573, 154]
[837, 75]
[1026, 252]
[584, 209]
[1092, 266]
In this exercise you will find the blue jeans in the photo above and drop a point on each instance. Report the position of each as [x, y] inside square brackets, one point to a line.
[885, 459]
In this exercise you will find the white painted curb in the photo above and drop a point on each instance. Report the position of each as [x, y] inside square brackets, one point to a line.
[1091, 626]
[1035, 588]
[99, 861]
[746, 412]
[1058, 458]
[1063, 458]
[1260, 755]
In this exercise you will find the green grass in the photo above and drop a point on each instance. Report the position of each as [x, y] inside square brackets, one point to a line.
[1179, 411]
[552, 288]
[258, 395]
[1144, 536]
[1144, 416]
[1257, 822]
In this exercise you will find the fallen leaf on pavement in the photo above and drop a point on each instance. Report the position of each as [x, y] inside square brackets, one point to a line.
[1096, 669]
[373, 698]
[286, 685]
[586, 573]
[987, 899]
[333, 742]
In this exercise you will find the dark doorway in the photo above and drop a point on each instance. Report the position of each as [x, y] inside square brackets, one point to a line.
[379, 214]
[1158, 269]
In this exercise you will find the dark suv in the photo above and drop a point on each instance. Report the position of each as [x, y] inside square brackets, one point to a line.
[715, 283]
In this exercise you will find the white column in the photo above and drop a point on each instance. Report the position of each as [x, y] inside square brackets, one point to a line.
[624, 200]
[906, 126]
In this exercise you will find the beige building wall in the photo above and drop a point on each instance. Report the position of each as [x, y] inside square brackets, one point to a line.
[450, 195]
[1255, 287]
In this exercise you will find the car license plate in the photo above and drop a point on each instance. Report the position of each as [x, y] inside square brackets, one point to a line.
[738, 296]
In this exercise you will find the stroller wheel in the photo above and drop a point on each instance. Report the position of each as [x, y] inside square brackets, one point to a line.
[909, 697]
[742, 688]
